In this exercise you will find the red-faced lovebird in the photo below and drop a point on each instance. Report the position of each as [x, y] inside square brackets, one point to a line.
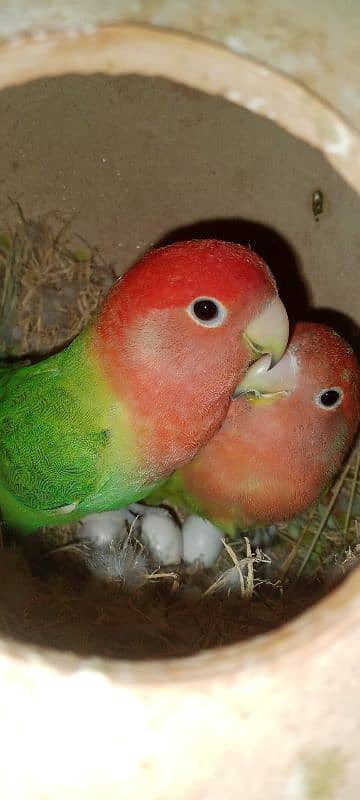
[136, 394]
[283, 440]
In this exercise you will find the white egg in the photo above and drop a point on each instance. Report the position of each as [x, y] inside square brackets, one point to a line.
[201, 541]
[102, 528]
[161, 536]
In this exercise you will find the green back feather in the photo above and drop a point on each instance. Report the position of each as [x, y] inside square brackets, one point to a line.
[65, 441]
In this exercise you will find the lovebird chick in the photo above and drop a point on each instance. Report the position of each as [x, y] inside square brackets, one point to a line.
[141, 389]
[284, 438]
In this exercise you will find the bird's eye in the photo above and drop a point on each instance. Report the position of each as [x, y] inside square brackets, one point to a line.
[329, 398]
[207, 311]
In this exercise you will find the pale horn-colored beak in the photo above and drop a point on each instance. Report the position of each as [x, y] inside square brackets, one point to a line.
[262, 380]
[269, 332]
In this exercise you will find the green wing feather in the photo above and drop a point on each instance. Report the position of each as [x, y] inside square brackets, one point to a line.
[66, 445]
[50, 448]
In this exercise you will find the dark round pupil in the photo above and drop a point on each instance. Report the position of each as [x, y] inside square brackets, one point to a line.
[329, 398]
[205, 309]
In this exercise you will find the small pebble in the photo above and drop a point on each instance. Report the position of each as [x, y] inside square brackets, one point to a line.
[201, 541]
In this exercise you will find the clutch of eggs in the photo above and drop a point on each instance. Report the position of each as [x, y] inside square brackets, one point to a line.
[163, 538]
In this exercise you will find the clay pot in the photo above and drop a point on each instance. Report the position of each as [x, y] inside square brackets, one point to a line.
[278, 714]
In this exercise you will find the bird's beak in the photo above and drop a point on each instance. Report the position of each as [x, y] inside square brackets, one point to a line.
[269, 332]
[262, 380]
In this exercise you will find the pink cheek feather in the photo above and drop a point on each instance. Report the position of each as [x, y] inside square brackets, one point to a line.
[174, 379]
[267, 464]
[293, 458]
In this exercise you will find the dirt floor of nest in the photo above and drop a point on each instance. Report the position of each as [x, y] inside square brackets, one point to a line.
[48, 596]
[170, 616]
[50, 285]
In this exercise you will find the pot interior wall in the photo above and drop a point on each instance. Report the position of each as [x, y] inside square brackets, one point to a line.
[136, 162]
[139, 160]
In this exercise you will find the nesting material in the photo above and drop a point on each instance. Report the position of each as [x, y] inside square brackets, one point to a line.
[323, 543]
[118, 560]
[105, 587]
[240, 577]
[51, 282]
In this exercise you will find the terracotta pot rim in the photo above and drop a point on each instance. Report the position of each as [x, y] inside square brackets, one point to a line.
[202, 65]
[145, 50]
[335, 617]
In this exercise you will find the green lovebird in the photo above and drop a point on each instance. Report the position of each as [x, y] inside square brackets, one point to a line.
[141, 389]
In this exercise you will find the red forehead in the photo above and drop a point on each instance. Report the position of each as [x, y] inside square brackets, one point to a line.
[328, 360]
[321, 347]
[175, 275]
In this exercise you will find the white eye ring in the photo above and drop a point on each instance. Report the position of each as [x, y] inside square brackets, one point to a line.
[327, 400]
[207, 312]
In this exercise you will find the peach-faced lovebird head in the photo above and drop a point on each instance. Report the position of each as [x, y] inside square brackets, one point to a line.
[284, 437]
[177, 333]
